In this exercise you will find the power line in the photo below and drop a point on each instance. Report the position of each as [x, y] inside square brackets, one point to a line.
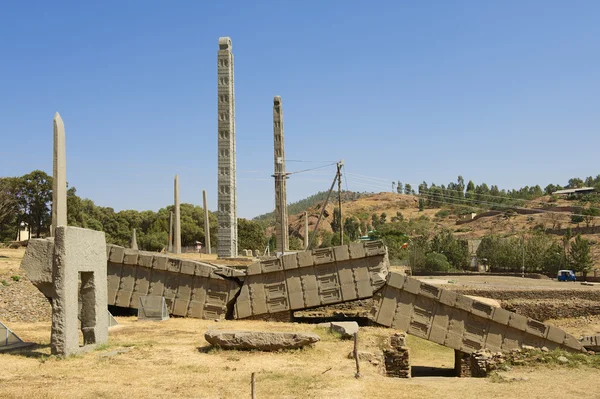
[435, 197]
[306, 170]
[506, 198]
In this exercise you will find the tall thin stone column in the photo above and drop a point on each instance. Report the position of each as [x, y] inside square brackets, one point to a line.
[206, 224]
[283, 240]
[59, 176]
[134, 240]
[177, 245]
[170, 244]
[305, 230]
[227, 191]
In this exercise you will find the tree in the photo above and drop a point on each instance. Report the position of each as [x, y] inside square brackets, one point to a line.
[351, 226]
[375, 220]
[398, 218]
[436, 262]
[580, 256]
[470, 189]
[399, 187]
[590, 215]
[407, 189]
[382, 218]
[577, 218]
[455, 251]
[250, 235]
[460, 186]
[336, 222]
[549, 189]
[575, 182]
[8, 210]
[34, 196]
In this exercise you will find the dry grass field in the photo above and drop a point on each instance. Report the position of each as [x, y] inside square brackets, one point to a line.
[171, 359]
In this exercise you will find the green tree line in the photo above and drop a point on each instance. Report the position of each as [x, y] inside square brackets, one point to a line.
[28, 199]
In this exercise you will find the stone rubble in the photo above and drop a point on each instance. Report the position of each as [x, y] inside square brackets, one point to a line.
[397, 357]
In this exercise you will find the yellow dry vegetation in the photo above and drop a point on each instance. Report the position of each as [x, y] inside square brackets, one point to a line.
[10, 259]
[171, 359]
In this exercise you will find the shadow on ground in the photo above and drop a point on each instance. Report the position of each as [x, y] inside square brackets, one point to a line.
[425, 371]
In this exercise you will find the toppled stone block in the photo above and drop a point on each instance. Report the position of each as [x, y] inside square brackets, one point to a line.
[323, 276]
[346, 328]
[37, 264]
[591, 342]
[259, 340]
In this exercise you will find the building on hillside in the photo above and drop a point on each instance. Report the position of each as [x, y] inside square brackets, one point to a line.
[475, 264]
[575, 191]
[468, 216]
[23, 233]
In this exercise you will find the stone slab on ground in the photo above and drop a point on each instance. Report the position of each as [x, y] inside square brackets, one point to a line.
[259, 340]
[346, 329]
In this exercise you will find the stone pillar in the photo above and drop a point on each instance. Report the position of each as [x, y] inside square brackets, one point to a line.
[397, 357]
[79, 255]
[177, 241]
[59, 176]
[134, 240]
[306, 232]
[227, 190]
[462, 364]
[206, 224]
[281, 215]
[170, 244]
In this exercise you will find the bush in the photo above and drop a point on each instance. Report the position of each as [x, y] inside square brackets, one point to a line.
[444, 213]
[436, 262]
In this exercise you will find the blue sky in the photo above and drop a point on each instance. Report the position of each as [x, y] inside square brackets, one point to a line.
[504, 93]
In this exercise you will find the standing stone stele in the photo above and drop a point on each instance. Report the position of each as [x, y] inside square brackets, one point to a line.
[177, 245]
[79, 255]
[134, 240]
[59, 176]
[227, 190]
[281, 215]
[206, 224]
[305, 230]
[170, 244]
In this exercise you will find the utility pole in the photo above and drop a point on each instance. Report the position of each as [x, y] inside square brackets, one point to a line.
[393, 186]
[339, 177]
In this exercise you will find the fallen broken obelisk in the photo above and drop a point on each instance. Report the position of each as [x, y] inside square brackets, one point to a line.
[459, 322]
[275, 288]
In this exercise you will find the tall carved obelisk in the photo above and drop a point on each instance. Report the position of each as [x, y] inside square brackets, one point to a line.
[283, 239]
[227, 192]
[206, 224]
[59, 176]
[177, 218]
